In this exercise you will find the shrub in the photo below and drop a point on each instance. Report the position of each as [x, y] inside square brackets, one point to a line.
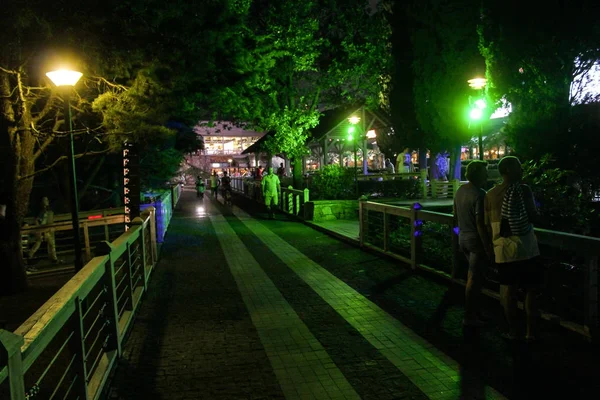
[333, 182]
[559, 197]
[406, 189]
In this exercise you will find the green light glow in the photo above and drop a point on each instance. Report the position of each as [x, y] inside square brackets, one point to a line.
[480, 104]
[476, 113]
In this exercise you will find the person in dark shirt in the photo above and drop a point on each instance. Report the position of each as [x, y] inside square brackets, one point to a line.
[473, 238]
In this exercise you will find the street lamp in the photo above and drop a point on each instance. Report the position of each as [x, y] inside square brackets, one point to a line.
[65, 80]
[477, 111]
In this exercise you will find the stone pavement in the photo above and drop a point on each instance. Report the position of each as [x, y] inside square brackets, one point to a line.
[241, 307]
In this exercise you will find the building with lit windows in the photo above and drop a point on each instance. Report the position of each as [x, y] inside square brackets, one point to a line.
[223, 147]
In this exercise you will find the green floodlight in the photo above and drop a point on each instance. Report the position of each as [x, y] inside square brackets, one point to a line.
[351, 133]
[480, 103]
[476, 113]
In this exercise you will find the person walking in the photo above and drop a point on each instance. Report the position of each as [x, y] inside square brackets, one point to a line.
[200, 188]
[473, 238]
[509, 214]
[214, 183]
[389, 167]
[271, 187]
[46, 217]
[280, 171]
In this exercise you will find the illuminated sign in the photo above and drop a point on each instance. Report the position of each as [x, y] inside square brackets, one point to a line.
[131, 183]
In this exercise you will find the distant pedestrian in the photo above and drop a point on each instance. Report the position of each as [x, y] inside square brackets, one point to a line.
[281, 171]
[270, 190]
[214, 183]
[509, 212]
[200, 188]
[45, 217]
[389, 166]
[473, 238]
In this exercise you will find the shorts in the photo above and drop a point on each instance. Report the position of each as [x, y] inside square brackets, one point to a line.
[478, 260]
[526, 273]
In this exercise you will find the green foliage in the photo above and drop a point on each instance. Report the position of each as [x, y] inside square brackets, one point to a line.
[561, 202]
[434, 43]
[158, 167]
[333, 182]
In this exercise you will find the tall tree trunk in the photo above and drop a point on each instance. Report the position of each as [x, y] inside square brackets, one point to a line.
[298, 180]
[422, 159]
[455, 164]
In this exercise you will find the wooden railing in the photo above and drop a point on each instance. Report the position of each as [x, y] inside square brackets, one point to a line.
[292, 200]
[94, 232]
[380, 225]
[69, 346]
[430, 189]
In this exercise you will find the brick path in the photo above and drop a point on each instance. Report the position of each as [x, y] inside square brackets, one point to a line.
[244, 308]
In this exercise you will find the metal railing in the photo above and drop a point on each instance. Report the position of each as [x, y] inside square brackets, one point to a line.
[69, 346]
[570, 297]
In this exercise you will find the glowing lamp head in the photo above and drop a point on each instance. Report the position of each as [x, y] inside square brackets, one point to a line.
[64, 77]
[476, 113]
[354, 120]
[371, 134]
[477, 83]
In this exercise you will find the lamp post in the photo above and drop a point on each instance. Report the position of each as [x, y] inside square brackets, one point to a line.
[65, 80]
[352, 136]
[477, 111]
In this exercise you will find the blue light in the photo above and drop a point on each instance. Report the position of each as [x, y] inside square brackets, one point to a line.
[456, 230]
[417, 206]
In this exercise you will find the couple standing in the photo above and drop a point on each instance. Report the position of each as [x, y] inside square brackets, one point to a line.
[497, 227]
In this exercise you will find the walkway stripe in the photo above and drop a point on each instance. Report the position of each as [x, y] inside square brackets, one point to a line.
[428, 368]
[302, 366]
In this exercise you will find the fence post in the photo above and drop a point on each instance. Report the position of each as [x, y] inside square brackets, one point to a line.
[10, 355]
[424, 182]
[306, 195]
[361, 221]
[86, 239]
[455, 186]
[591, 296]
[415, 237]
[434, 188]
[455, 262]
[386, 230]
[152, 217]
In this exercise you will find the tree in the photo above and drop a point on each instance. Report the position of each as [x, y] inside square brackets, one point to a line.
[305, 58]
[434, 43]
[535, 76]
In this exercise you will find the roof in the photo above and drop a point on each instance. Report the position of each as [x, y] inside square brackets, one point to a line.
[334, 123]
[258, 146]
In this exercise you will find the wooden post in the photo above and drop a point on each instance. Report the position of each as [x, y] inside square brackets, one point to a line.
[325, 151]
[386, 231]
[10, 355]
[415, 238]
[424, 182]
[152, 217]
[362, 216]
[455, 186]
[591, 296]
[86, 239]
[455, 255]
[434, 188]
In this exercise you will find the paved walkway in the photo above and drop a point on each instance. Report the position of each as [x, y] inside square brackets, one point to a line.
[241, 307]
